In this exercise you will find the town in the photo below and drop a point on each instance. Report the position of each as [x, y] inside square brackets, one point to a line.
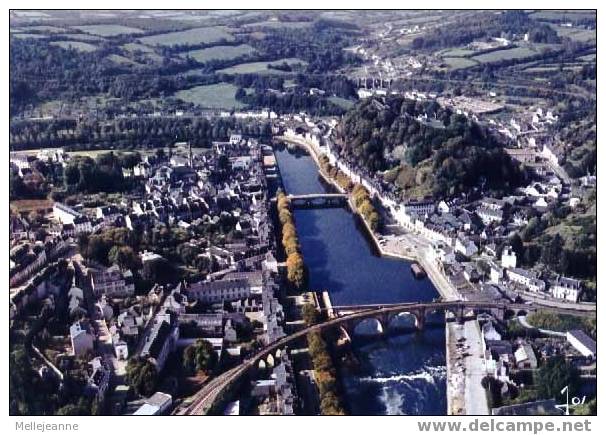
[162, 278]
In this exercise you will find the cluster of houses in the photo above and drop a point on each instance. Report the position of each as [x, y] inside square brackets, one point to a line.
[465, 233]
[29, 256]
[112, 321]
[505, 358]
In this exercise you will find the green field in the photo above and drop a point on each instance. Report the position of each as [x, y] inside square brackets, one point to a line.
[31, 14]
[81, 37]
[44, 29]
[220, 52]
[203, 35]
[342, 102]
[28, 36]
[576, 34]
[108, 29]
[133, 47]
[540, 69]
[260, 67]
[510, 54]
[217, 96]
[457, 52]
[271, 24]
[458, 62]
[76, 45]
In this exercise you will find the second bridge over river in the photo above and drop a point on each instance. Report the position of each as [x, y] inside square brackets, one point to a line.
[317, 200]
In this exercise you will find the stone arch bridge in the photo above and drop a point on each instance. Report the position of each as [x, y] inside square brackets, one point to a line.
[317, 200]
[348, 317]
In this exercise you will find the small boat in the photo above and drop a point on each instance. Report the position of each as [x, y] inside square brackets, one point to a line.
[418, 271]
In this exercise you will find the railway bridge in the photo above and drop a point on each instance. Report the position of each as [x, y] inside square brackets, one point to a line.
[347, 317]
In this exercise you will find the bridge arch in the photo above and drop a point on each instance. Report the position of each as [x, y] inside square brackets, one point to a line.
[403, 320]
[366, 327]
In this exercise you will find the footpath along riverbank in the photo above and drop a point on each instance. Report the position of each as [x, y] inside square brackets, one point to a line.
[465, 368]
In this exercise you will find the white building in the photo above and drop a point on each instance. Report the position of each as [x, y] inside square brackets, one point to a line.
[65, 214]
[489, 215]
[113, 283]
[489, 333]
[525, 357]
[147, 256]
[82, 225]
[442, 253]
[81, 338]
[235, 139]
[220, 291]
[162, 340]
[419, 207]
[527, 279]
[465, 246]
[142, 170]
[157, 404]
[566, 288]
[108, 212]
[508, 258]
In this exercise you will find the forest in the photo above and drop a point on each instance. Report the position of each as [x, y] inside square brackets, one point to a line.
[400, 137]
[488, 24]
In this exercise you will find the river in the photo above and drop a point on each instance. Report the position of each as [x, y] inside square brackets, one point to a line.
[399, 374]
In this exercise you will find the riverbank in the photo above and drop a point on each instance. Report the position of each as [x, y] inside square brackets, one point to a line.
[397, 243]
[465, 368]
[408, 247]
[322, 380]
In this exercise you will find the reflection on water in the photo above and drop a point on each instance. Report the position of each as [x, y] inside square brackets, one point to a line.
[398, 374]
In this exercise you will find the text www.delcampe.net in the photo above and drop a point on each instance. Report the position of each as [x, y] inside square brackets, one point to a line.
[498, 425]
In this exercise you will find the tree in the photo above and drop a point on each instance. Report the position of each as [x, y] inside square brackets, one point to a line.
[295, 270]
[330, 404]
[285, 216]
[123, 256]
[554, 375]
[517, 245]
[288, 230]
[374, 221]
[589, 408]
[71, 409]
[199, 356]
[366, 208]
[223, 163]
[158, 271]
[141, 374]
[310, 314]
[550, 254]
